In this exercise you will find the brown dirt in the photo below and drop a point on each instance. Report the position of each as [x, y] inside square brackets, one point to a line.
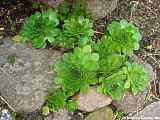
[12, 15]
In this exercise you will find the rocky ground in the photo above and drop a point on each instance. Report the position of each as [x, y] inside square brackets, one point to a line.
[25, 73]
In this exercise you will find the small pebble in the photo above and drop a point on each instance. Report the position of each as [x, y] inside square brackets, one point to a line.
[1, 28]
[1, 37]
[5, 115]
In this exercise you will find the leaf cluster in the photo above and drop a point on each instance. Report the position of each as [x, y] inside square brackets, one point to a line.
[131, 77]
[39, 28]
[58, 99]
[117, 74]
[42, 28]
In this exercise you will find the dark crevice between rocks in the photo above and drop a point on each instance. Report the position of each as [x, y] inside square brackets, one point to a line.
[13, 14]
[36, 115]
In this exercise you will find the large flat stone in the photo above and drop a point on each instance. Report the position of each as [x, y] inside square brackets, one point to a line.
[25, 82]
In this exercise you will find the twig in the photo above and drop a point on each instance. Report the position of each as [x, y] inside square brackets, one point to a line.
[97, 32]
[156, 98]
[7, 104]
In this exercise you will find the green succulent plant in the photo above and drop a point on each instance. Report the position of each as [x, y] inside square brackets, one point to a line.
[77, 31]
[121, 38]
[40, 28]
[77, 70]
[106, 64]
[132, 77]
[136, 77]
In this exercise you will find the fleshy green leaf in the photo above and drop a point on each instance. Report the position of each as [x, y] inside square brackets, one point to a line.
[38, 42]
[56, 100]
[45, 110]
[111, 64]
[113, 85]
[127, 84]
[71, 105]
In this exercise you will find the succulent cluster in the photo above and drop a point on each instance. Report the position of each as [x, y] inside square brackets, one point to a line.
[42, 28]
[105, 63]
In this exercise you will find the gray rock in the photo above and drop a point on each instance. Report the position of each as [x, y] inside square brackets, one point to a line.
[51, 3]
[105, 113]
[24, 84]
[100, 8]
[150, 112]
[130, 103]
[62, 114]
[92, 100]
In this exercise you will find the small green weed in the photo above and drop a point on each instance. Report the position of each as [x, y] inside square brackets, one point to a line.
[45, 110]
[59, 99]
[11, 59]
[119, 115]
[70, 9]
[14, 115]
[37, 5]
